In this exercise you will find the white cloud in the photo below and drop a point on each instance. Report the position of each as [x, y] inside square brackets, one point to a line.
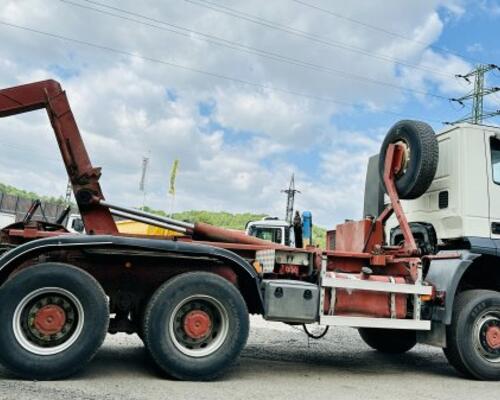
[490, 7]
[475, 48]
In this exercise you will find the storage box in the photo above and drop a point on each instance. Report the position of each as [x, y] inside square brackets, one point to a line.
[290, 301]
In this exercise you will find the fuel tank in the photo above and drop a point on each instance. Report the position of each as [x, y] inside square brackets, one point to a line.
[365, 303]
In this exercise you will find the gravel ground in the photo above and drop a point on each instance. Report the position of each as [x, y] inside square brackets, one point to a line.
[278, 362]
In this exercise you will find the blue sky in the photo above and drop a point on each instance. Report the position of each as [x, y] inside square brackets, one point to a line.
[237, 143]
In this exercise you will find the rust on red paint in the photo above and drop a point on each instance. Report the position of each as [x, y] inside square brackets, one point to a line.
[197, 324]
[84, 177]
[366, 303]
[203, 231]
[393, 161]
[50, 319]
[358, 236]
[493, 337]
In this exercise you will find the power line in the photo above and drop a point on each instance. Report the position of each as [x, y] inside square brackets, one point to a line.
[212, 39]
[383, 30]
[306, 35]
[198, 71]
[477, 95]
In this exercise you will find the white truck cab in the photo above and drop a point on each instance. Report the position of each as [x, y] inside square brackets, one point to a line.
[6, 219]
[75, 224]
[272, 229]
[464, 197]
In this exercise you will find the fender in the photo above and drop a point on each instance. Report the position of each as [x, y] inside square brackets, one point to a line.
[445, 275]
[9, 259]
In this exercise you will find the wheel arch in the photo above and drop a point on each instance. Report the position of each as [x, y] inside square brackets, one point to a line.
[445, 275]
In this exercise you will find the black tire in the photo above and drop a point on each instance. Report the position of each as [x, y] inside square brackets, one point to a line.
[421, 142]
[389, 341]
[31, 301]
[467, 350]
[166, 334]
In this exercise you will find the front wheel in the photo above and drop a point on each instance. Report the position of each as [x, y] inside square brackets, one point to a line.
[389, 341]
[473, 338]
[195, 326]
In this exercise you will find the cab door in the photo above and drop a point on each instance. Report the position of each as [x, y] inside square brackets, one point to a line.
[492, 143]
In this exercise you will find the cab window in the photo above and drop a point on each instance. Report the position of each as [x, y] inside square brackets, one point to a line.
[495, 159]
[270, 234]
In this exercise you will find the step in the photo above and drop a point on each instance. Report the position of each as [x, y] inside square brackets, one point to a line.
[376, 286]
[369, 322]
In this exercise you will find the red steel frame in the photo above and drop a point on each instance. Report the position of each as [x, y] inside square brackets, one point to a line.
[84, 177]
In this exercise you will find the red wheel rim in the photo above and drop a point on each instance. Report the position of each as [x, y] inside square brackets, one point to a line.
[493, 337]
[50, 319]
[197, 324]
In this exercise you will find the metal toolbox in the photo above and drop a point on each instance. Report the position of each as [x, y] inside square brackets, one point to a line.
[290, 301]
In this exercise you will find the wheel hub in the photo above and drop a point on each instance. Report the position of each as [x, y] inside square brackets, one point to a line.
[197, 324]
[403, 158]
[493, 336]
[50, 319]
[488, 336]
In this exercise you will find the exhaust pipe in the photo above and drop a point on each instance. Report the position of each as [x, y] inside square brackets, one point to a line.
[199, 230]
[148, 221]
[131, 211]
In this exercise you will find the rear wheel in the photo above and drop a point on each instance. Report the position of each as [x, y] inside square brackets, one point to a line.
[473, 338]
[54, 319]
[195, 326]
[390, 341]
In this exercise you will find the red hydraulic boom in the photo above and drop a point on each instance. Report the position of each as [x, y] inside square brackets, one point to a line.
[84, 177]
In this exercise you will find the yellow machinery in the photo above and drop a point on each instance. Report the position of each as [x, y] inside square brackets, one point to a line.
[139, 228]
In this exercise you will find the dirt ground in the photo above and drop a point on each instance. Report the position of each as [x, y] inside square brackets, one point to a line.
[278, 363]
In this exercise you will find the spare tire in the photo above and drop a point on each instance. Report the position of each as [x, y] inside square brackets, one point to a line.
[422, 155]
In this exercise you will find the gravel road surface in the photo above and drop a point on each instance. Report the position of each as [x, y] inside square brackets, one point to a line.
[278, 363]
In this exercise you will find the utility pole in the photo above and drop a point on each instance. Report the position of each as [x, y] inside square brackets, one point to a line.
[142, 183]
[69, 190]
[290, 199]
[477, 95]
[171, 189]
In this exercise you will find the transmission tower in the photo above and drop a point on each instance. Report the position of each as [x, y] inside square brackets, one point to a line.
[477, 95]
[290, 199]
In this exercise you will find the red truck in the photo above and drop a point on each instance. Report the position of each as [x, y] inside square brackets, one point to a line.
[188, 297]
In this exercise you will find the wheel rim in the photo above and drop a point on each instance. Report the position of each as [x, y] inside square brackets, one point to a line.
[199, 326]
[48, 321]
[487, 336]
[406, 157]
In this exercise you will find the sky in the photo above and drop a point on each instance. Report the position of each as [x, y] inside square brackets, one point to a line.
[243, 93]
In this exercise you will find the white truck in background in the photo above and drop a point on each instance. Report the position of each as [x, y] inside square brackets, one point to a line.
[6, 219]
[273, 229]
